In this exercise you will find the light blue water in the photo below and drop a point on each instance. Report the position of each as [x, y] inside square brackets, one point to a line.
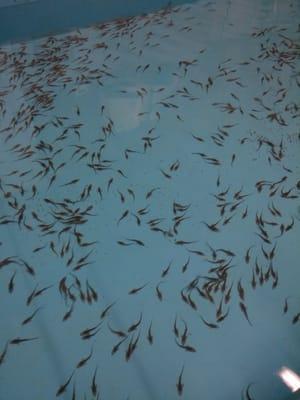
[201, 103]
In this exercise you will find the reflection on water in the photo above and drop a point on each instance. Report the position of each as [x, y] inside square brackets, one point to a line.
[150, 206]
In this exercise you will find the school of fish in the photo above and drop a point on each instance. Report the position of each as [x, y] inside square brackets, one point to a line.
[149, 183]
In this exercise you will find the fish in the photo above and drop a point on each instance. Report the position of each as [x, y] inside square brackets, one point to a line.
[179, 384]
[131, 347]
[150, 193]
[228, 295]
[68, 314]
[106, 310]
[149, 334]
[117, 346]
[11, 283]
[166, 270]
[247, 256]
[244, 311]
[94, 388]
[209, 324]
[124, 215]
[213, 227]
[135, 325]
[137, 290]
[118, 333]
[241, 290]
[30, 318]
[185, 265]
[158, 292]
[90, 332]
[247, 392]
[189, 349]
[175, 329]
[184, 336]
[64, 386]
[19, 340]
[84, 360]
[4, 353]
[137, 241]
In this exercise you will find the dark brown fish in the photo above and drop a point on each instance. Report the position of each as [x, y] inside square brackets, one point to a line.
[134, 326]
[179, 384]
[209, 324]
[84, 360]
[136, 290]
[187, 348]
[149, 334]
[118, 333]
[247, 392]
[241, 290]
[94, 388]
[175, 329]
[117, 346]
[30, 318]
[166, 270]
[124, 215]
[19, 340]
[64, 386]
[184, 267]
[3, 353]
[158, 292]
[244, 311]
[105, 311]
[11, 283]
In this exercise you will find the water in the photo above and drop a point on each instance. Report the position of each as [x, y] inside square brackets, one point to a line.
[199, 102]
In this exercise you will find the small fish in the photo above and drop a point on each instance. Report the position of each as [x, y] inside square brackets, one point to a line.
[3, 353]
[241, 290]
[19, 340]
[64, 386]
[232, 159]
[131, 192]
[212, 227]
[296, 318]
[118, 333]
[134, 326]
[247, 256]
[89, 331]
[72, 182]
[245, 213]
[227, 295]
[117, 346]
[187, 348]
[136, 290]
[109, 183]
[149, 194]
[94, 388]
[247, 392]
[149, 334]
[165, 174]
[210, 325]
[184, 336]
[30, 318]
[105, 311]
[244, 311]
[286, 306]
[158, 292]
[184, 267]
[138, 242]
[166, 270]
[68, 313]
[175, 329]
[179, 384]
[83, 361]
[11, 283]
